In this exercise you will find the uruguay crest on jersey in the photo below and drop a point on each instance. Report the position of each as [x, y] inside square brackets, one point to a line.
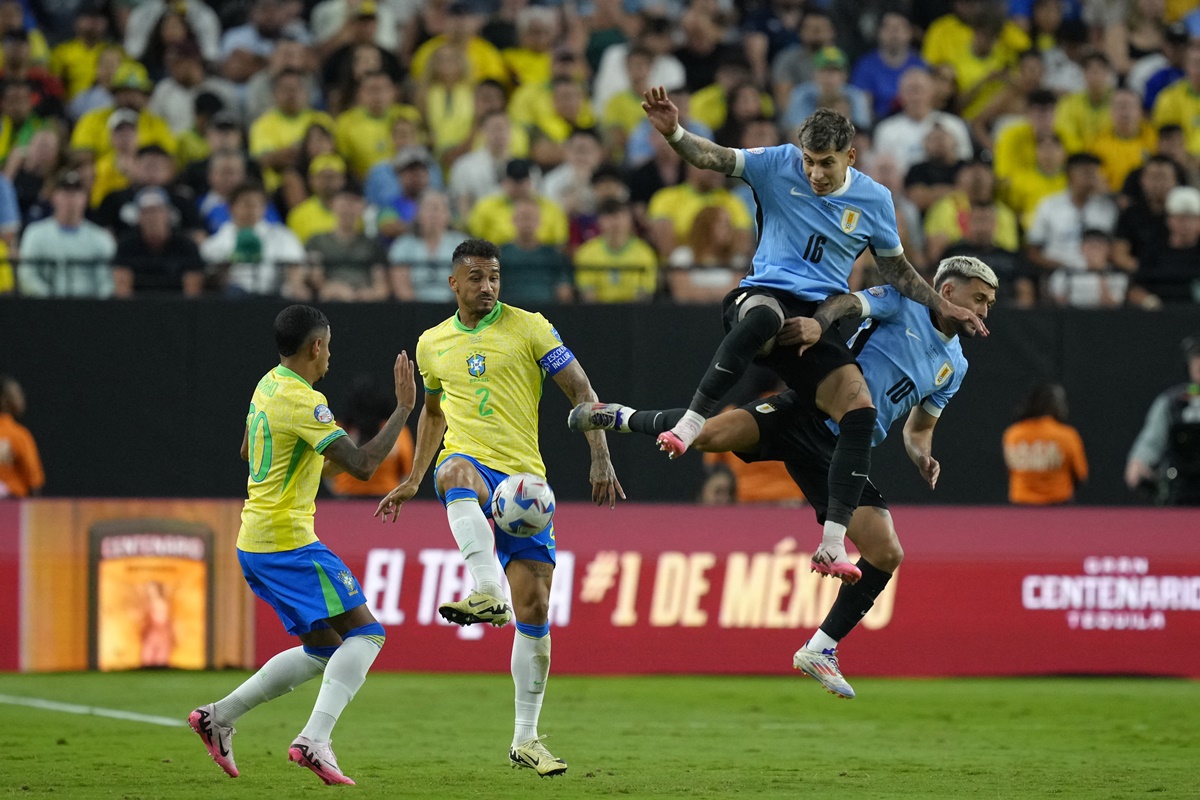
[850, 218]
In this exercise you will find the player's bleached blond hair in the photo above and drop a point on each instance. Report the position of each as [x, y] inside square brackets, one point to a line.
[965, 267]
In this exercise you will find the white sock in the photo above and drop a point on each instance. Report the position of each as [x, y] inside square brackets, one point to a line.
[624, 413]
[820, 642]
[530, 670]
[477, 543]
[284, 672]
[688, 428]
[343, 678]
[834, 536]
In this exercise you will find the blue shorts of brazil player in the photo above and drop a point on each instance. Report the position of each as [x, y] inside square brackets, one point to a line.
[508, 547]
[305, 586]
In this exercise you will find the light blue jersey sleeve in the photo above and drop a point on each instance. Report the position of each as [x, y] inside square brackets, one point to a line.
[881, 302]
[936, 402]
[758, 165]
[881, 214]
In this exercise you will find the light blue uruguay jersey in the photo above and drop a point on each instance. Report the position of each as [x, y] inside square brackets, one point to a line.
[904, 357]
[808, 243]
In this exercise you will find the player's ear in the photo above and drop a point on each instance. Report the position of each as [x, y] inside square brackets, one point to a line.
[851, 154]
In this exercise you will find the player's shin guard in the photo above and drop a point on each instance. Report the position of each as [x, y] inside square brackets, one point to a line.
[850, 465]
[655, 422]
[475, 539]
[734, 355]
[344, 676]
[854, 601]
[530, 670]
[282, 673]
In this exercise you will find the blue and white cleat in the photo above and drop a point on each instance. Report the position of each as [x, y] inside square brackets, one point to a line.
[598, 417]
[823, 665]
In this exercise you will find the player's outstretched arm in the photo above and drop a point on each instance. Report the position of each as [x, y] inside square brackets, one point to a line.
[918, 441]
[361, 462]
[897, 271]
[696, 150]
[431, 427]
[578, 389]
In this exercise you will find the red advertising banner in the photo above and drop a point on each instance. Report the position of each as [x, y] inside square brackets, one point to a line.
[683, 589]
[10, 584]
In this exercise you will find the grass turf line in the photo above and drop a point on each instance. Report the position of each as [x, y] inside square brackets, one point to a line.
[446, 736]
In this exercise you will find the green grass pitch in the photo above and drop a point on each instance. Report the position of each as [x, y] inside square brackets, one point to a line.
[446, 736]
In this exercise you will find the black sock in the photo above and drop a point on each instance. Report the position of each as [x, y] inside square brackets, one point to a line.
[854, 601]
[655, 422]
[850, 464]
[734, 355]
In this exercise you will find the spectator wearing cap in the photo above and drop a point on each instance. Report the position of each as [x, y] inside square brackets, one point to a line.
[462, 31]
[878, 72]
[933, 178]
[153, 166]
[1015, 145]
[251, 256]
[18, 121]
[45, 89]
[412, 177]
[535, 274]
[945, 222]
[200, 19]
[65, 255]
[673, 210]
[1099, 284]
[364, 133]
[828, 89]
[174, 97]
[529, 61]
[155, 257]
[99, 94]
[1031, 185]
[1179, 103]
[1128, 143]
[246, 48]
[478, 172]
[227, 170]
[1171, 273]
[616, 266]
[74, 61]
[1081, 117]
[276, 138]
[418, 258]
[1054, 236]
[903, 135]
[794, 65]
[131, 90]
[335, 23]
[326, 177]
[348, 265]
[665, 70]
[1142, 224]
[445, 96]
[492, 216]
[115, 169]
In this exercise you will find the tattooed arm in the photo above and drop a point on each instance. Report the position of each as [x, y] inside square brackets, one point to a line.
[806, 331]
[897, 271]
[695, 150]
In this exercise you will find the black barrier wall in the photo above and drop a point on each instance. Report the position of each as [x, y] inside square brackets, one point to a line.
[148, 398]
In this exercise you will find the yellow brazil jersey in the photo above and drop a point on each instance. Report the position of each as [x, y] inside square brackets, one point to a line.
[527, 66]
[289, 427]
[1028, 187]
[1179, 105]
[1016, 148]
[92, 133]
[624, 111]
[492, 218]
[310, 218]
[485, 60]
[1080, 122]
[275, 130]
[364, 140]
[616, 276]
[74, 63]
[490, 379]
[1120, 156]
[949, 39]
[680, 204]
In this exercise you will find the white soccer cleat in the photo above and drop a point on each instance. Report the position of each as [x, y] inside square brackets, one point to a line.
[319, 758]
[217, 738]
[532, 754]
[475, 608]
[823, 665]
[598, 417]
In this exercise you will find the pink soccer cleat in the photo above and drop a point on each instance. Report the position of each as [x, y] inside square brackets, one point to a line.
[319, 758]
[671, 444]
[835, 563]
[217, 738]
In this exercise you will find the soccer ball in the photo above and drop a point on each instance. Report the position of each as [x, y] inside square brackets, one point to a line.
[523, 504]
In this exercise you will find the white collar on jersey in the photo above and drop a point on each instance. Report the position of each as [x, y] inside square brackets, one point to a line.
[845, 187]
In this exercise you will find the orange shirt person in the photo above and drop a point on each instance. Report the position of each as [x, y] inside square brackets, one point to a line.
[1044, 455]
[21, 472]
[395, 468]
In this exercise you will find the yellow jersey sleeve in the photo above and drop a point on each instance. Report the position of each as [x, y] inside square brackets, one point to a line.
[315, 425]
[425, 365]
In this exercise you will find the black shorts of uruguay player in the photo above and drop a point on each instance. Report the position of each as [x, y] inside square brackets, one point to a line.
[792, 429]
[801, 374]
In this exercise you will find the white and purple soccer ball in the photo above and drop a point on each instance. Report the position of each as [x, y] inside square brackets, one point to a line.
[523, 504]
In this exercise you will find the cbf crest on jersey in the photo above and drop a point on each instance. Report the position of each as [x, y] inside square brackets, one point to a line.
[477, 364]
[850, 218]
[943, 374]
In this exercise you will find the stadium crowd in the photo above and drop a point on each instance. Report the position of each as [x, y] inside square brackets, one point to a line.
[339, 150]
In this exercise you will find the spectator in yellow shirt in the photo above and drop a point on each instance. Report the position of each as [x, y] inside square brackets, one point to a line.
[1047, 176]
[74, 61]
[131, 90]
[276, 138]
[1081, 117]
[537, 31]
[364, 133]
[114, 169]
[1128, 144]
[623, 111]
[446, 98]
[1179, 103]
[327, 177]
[492, 216]
[616, 266]
[949, 37]
[1016, 142]
[462, 31]
[569, 109]
[673, 209]
[947, 219]
[982, 69]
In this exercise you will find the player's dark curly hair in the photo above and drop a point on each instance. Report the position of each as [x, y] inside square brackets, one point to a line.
[475, 248]
[826, 131]
[294, 325]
